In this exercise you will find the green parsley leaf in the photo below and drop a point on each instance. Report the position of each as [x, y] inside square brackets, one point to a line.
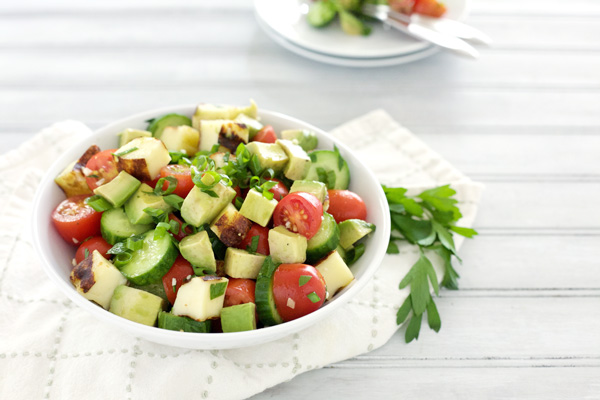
[466, 232]
[392, 248]
[303, 280]
[314, 297]
[403, 311]
[217, 289]
[433, 317]
[413, 328]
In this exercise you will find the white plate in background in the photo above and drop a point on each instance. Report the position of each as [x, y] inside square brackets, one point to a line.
[287, 18]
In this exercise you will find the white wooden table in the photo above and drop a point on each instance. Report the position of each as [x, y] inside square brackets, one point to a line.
[524, 119]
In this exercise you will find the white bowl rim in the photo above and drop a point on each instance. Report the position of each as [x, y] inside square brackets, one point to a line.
[211, 340]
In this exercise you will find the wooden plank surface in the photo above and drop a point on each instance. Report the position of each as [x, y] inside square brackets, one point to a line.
[524, 120]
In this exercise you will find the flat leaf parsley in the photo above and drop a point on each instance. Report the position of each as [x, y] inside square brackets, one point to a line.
[428, 221]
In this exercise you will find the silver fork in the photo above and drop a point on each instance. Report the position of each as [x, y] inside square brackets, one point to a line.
[405, 24]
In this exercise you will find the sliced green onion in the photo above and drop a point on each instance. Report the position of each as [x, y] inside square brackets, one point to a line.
[86, 253]
[154, 212]
[134, 243]
[251, 248]
[122, 259]
[172, 185]
[304, 280]
[314, 297]
[255, 165]
[98, 203]
[161, 229]
[118, 248]
[122, 153]
[239, 202]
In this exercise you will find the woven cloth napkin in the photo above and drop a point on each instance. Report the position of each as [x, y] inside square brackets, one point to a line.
[49, 348]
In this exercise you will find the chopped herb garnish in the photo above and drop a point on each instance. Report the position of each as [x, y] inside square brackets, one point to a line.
[122, 153]
[134, 243]
[239, 202]
[354, 254]
[171, 186]
[340, 159]
[217, 289]
[94, 176]
[303, 280]
[314, 297]
[86, 253]
[253, 246]
[161, 230]
[98, 203]
[174, 201]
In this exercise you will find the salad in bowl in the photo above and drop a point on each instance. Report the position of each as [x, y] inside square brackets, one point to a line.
[210, 226]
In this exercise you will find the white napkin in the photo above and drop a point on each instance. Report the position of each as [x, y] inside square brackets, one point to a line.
[50, 348]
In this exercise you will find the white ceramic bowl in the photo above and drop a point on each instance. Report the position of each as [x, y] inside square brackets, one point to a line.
[56, 254]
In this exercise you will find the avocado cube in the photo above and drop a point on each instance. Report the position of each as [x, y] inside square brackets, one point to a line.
[318, 189]
[270, 155]
[304, 138]
[336, 273]
[258, 208]
[252, 124]
[287, 247]
[181, 138]
[117, 191]
[239, 318]
[298, 163]
[144, 198]
[352, 230]
[241, 264]
[197, 249]
[143, 157]
[201, 298]
[200, 208]
[129, 134]
[136, 305]
[96, 279]
[216, 111]
[230, 226]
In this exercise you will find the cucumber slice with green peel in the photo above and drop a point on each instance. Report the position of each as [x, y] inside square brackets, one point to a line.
[152, 261]
[265, 303]
[182, 324]
[158, 125]
[330, 168]
[325, 240]
[115, 226]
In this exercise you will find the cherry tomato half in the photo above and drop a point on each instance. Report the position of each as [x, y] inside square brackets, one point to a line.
[239, 291]
[183, 175]
[103, 169]
[266, 135]
[280, 190]
[344, 204]
[75, 221]
[93, 243]
[298, 290]
[430, 8]
[299, 212]
[263, 239]
[179, 271]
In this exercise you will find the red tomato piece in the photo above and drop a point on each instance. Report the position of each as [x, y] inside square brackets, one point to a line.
[239, 291]
[102, 168]
[402, 6]
[280, 190]
[93, 243]
[182, 232]
[75, 221]
[266, 135]
[299, 212]
[263, 239]
[183, 175]
[430, 8]
[298, 290]
[344, 204]
[178, 273]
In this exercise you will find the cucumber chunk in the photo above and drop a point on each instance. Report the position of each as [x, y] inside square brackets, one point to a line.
[330, 168]
[115, 226]
[325, 240]
[265, 303]
[152, 261]
[158, 125]
[182, 324]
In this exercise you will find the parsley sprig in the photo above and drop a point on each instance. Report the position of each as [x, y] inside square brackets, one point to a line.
[426, 220]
